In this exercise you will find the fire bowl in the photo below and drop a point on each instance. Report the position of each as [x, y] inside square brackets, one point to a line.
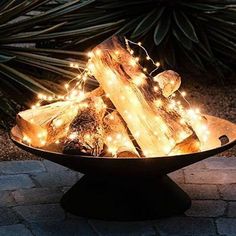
[132, 188]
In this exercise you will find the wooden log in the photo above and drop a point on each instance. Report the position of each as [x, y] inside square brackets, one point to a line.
[149, 115]
[86, 131]
[169, 81]
[47, 124]
[117, 138]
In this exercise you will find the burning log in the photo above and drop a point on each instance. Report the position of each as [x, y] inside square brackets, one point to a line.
[150, 117]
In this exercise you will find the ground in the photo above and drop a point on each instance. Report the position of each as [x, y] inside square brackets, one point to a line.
[30, 192]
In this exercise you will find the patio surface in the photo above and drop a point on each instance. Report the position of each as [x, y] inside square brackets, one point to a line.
[30, 192]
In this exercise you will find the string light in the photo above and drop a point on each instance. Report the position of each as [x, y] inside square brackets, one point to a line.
[75, 91]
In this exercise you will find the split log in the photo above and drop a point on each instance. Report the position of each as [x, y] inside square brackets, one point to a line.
[47, 124]
[169, 81]
[86, 131]
[150, 117]
[117, 138]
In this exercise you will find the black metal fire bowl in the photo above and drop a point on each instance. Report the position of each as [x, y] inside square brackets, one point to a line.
[132, 188]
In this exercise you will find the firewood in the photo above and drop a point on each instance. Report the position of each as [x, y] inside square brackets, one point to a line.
[169, 81]
[86, 131]
[117, 138]
[150, 117]
[47, 124]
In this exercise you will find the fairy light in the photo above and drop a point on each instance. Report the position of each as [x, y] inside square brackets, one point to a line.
[73, 136]
[98, 52]
[132, 62]
[58, 123]
[158, 103]
[155, 88]
[90, 54]
[138, 80]
[26, 139]
[40, 96]
[75, 90]
[157, 64]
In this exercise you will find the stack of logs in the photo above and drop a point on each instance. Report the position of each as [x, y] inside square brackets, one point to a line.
[128, 115]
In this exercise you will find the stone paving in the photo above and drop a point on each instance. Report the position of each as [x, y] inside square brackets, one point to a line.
[30, 192]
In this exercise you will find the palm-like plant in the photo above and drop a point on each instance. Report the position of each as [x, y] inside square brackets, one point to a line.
[202, 33]
[26, 69]
[40, 37]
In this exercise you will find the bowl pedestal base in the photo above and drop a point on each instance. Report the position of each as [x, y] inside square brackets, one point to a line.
[128, 199]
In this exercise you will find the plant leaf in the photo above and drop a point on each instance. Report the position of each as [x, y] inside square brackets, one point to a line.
[180, 36]
[147, 22]
[185, 25]
[4, 58]
[161, 29]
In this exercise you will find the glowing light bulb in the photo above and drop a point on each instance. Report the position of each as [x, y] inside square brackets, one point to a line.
[58, 122]
[157, 64]
[109, 138]
[112, 150]
[98, 52]
[132, 62]
[73, 135]
[148, 58]
[91, 67]
[90, 54]
[144, 69]
[138, 80]
[67, 86]
[158, 103]
[40, 96]
[26, 139]
[155, 88]
[111, 117]
[119, 136]
[43, 142]
[139, 43]
[87, 137]
[183, 93]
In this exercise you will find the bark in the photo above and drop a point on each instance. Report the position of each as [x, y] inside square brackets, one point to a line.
[153, 123]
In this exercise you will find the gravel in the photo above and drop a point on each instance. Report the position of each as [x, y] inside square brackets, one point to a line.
[211, 98]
